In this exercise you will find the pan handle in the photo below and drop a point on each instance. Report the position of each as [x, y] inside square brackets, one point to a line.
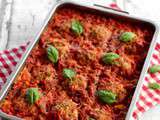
[105, 7]
[101, 4]
[98, 4]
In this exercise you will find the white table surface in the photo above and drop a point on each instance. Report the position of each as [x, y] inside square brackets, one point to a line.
[27, 17]
[26, 20]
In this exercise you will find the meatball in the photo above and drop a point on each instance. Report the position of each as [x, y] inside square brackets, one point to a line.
[127, 65]
[62, 45]
[65, 26]
[101, 114]
[101, 33]
[114, 86]
[45, 75]
[47, 101]
[84, 57]
[78, 83]
[65, 110]
[76, 88]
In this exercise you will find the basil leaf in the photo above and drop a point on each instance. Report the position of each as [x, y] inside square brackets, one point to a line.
[90, 118]
[77, 27]
[154, 69]
[109, 58]
[154, 86]
[106, 96]
[68, 73]
[127, 36]
[52, 53]
[32, 95]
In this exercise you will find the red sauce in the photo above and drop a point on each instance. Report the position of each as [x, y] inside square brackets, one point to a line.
[64, 100]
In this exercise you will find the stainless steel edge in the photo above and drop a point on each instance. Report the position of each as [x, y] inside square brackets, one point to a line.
[143, 72]
[96, 5]
[89, 5]
[13, 75]
[146, 63]
[102, 6]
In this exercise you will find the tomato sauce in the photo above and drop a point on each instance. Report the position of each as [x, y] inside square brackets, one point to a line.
[66, 99]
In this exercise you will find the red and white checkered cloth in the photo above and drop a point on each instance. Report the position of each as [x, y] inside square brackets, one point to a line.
[8, 61]
[147, 99]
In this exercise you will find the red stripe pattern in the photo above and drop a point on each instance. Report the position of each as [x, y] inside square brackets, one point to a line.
[8, 61]
[147, 99]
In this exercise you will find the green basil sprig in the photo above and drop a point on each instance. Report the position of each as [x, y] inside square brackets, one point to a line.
[106, 96]
[52, 53]
[77, 27]
[109, 58]
[127, 36]
[32, 95]
[68, 73]
[154, 69]
[154, 86]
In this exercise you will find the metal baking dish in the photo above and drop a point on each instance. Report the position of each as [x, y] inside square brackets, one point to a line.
[99, 9]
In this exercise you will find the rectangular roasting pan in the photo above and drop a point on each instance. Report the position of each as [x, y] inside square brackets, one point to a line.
[98, 9]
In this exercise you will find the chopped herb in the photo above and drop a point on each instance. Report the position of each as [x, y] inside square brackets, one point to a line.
[154, 69]
[154, 86]
[109, 58]
[77, 27]
[52, 53]
[32, 95]
[68, 73]
[127, 36]
[106, 96]
[90, 118]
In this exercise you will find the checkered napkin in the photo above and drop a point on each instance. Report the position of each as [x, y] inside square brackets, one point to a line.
[147, 99]
[8, 61]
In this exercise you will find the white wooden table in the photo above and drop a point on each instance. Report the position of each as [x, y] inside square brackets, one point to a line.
[27, 18]
[20, 20]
